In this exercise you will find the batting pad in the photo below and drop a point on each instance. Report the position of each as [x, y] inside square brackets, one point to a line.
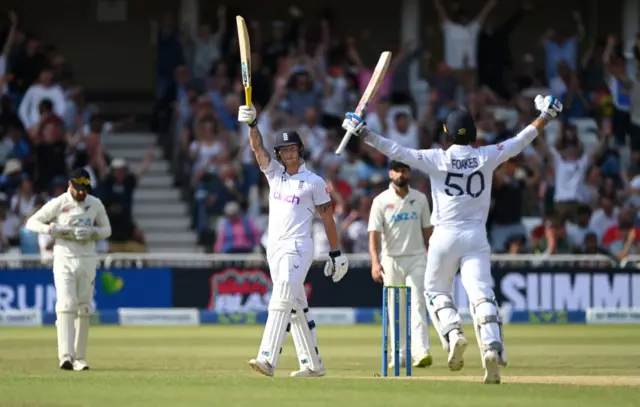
[275, 330]
[305, 340]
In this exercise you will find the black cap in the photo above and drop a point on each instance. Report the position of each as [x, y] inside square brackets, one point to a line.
[288, 138]
[460, 127]
[396, 165]
[80, 179]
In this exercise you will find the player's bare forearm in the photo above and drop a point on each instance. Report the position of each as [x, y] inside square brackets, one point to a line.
[540, 124]
[257, 145]
[426, 235]
[326, 214]
[374, 246]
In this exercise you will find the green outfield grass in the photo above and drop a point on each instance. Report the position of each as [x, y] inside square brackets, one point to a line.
[207, 366]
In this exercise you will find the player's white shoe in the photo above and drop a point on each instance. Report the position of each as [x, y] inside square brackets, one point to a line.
[457, 346]
[491, 361]
[424, 361]
[79, 365]
[306, 372]
[403, 363]
[262, 366]
[66, 363]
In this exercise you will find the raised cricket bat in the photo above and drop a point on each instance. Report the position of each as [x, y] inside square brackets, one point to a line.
[245, 57]
[369, 93]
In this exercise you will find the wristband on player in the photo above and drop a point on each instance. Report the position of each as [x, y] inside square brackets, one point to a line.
[546, 116]
[335, 253]
[254, 123]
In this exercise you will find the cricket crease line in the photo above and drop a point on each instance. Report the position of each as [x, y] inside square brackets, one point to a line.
[570, 380]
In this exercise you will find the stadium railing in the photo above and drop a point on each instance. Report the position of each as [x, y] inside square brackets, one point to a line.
[140, 260]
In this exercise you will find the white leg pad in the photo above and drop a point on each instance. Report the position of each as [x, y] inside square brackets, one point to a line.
[488, 327]
[275, 330]
[83, 321]
[304, 340]
[66, 310]
[444, 315]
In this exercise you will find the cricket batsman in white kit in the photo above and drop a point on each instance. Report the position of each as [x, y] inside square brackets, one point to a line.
[295, 196]
[461, 180]
[76, 220]
[399, 231]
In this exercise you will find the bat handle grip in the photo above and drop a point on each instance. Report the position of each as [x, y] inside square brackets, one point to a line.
[344, 142]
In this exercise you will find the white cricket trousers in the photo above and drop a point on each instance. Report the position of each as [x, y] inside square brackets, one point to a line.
[465, 249]
[74, 279]
[290, 261]
[408, 270]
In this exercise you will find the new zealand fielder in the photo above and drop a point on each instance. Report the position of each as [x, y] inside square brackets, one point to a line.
[76, 220]
[399, 231]
[461, 178]
[295, 196]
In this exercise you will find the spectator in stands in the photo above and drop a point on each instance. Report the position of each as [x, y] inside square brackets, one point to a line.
[576, 104]
[339, 189]
[78, 113]
[509, 182]
[209, 150]
[170, 53]
[578, 230]
[175, 93]
[354, 226]
[237, 232]
[555, 240]
[205, 47]
[24, 200]
[120, 184]
[623, 238]
[30, 241]
[562, 46]
[126, 237]
[50, 151]
[4, 53]
[27, 66]
[604, 217]
[515, 245]
[615, 67]
[30, 111]
[8, 116]
[12, 176]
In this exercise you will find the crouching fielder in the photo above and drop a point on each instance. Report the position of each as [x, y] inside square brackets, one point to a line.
[461, 180]
[399, 230]
[76, 220]
[295, 195]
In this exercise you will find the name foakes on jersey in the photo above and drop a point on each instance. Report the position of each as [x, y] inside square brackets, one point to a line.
[466, 164]
[242, 290]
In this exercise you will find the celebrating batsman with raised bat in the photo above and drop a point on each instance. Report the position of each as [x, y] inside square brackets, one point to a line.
[461, 180]
[296, 195]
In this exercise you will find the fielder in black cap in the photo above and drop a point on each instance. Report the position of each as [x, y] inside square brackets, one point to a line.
[399, 174]
[79, 184]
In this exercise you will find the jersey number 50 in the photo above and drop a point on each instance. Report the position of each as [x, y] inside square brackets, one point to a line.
[454, 188]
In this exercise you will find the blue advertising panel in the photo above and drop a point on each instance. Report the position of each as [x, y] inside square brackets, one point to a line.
[126, 288]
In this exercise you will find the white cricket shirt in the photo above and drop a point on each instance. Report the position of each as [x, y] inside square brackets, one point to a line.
[292, 202]
[66, 211]
[461, 176]
[400, 222]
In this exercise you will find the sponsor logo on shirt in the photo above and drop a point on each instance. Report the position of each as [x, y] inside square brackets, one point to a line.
[402, 216]
[292, 199]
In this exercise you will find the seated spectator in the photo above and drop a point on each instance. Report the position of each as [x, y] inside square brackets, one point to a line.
[555, 239]
[604, 217]
[208, 151]
[576, 232]
[30, 241]
[354, 226]
[24, 200]
[126, 237]
[623, 239]
[237, 232]
[12, 177]
[30, 106]
[516, 244]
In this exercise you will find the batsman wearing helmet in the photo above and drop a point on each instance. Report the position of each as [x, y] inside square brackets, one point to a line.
[295, 196]
[461, 180]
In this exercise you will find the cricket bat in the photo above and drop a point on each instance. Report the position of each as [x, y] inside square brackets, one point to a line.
[369, 93]
[245, 57]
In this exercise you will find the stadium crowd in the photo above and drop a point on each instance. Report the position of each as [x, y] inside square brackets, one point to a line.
[47, 129]
[576, 190]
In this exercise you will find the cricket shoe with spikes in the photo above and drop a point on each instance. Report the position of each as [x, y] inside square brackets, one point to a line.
[79, 365]
[491, 361]
[424, 361]
[306, 372]
[457, 346]
[262, 366]
[66, 363]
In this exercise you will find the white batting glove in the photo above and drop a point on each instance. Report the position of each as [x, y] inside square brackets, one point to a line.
[83, 233]
[355, 125]
[337, 266]
[60, 231]
[247, 114]
[549, 106]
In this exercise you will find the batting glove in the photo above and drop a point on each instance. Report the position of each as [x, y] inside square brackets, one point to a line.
[247, 114]
[355, 125]
[337, 266]
[549, 106]
[60, 231]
